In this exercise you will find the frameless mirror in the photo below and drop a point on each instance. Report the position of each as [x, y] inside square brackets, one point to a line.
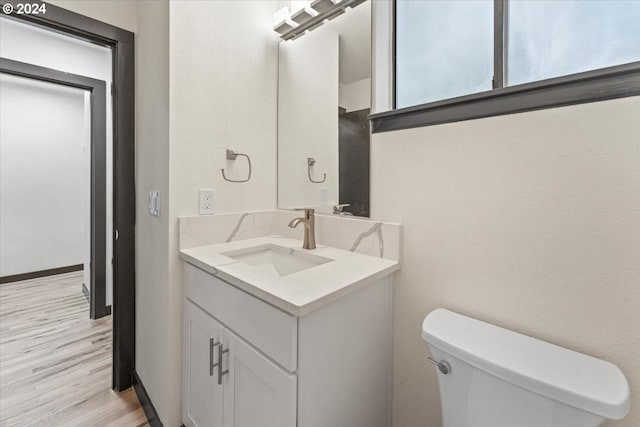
[324, 99]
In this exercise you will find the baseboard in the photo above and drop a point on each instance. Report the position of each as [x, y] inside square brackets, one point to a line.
[85, 291]
[87, 296]
[41, 273]
[145, 401]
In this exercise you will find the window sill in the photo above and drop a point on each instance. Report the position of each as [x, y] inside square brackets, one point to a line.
[607, 83]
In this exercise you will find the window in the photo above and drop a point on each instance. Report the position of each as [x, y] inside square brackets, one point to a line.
[555, 38]
[443, 49]
[465, 59]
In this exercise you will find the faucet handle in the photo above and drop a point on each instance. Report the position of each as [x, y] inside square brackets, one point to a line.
[339, 208]
[307, 211]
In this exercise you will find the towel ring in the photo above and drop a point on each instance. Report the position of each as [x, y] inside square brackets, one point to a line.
[232, 155]
[310, 162]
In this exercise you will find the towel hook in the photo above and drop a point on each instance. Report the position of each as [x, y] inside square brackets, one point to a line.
[310, 162]
[232, 155]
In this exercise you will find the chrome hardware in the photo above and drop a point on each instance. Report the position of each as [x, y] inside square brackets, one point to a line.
[443, 365]
[338, 209]
[221, 351]
[310, 162]
[232, 155]
[212, 345]
[309, 227]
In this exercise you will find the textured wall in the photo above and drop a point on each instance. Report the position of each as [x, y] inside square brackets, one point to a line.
[224, 65]
[528, 221]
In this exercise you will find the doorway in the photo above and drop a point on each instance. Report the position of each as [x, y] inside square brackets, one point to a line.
[60, 95]
[121, 43]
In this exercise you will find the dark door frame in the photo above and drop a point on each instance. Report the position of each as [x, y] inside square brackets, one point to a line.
[122, 46]
[98, 167]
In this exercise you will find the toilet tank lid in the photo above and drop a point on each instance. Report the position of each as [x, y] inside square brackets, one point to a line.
[573, 378]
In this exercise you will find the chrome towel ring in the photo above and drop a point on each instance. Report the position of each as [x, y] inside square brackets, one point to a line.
[233, 155]
[310, 162]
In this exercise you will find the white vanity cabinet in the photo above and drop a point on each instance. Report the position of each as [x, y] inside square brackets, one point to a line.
[229, 383]
[258, 392]
[247, 363]
[202, 397]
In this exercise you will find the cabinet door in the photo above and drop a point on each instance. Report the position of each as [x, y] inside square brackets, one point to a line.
[257, 392]
[201, 394]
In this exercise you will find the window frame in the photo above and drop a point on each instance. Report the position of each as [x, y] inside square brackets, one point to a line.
[618, 81]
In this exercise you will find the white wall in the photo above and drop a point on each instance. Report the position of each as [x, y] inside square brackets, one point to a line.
[152, 174]
[529, 221]
[356, 95]
[34, 45]
[120, 13]
[44, 204]
[223, 94]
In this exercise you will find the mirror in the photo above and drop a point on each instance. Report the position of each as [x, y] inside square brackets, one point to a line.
[324, 99]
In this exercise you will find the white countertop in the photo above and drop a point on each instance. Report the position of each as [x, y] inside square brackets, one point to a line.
[298, 293]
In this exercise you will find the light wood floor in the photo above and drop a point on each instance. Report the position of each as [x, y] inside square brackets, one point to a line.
[55, 363]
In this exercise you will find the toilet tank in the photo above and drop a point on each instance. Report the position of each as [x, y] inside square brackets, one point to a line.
[500, 378]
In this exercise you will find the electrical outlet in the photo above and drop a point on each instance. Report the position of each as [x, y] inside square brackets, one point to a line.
[206, 201]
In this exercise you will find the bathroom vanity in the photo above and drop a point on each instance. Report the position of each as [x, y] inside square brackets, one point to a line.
[278, 336]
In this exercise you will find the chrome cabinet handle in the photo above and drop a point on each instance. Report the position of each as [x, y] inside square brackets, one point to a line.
[212, 345]
[221, 351]
[443, 365]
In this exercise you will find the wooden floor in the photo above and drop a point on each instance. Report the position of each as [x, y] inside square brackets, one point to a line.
[55, 363]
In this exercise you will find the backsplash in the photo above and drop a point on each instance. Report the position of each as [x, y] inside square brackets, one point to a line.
[213, 229]
[370, 237]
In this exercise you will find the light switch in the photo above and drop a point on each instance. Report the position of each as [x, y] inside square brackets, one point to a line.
[154, 203]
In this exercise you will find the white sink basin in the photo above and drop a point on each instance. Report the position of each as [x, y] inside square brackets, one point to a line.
[276, 259]
[278, 271]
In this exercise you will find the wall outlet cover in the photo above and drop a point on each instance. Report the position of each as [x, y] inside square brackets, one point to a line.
[205, 206]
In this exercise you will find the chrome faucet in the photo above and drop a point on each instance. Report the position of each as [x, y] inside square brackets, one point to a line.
[309, 222]
[339, 209]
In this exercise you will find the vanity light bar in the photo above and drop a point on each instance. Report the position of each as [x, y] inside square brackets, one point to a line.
[323, 6]
[282, 21]
[303, 14]
[284, 26]
[310, 16]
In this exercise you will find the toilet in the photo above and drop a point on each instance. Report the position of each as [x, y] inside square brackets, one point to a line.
[493, 377]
